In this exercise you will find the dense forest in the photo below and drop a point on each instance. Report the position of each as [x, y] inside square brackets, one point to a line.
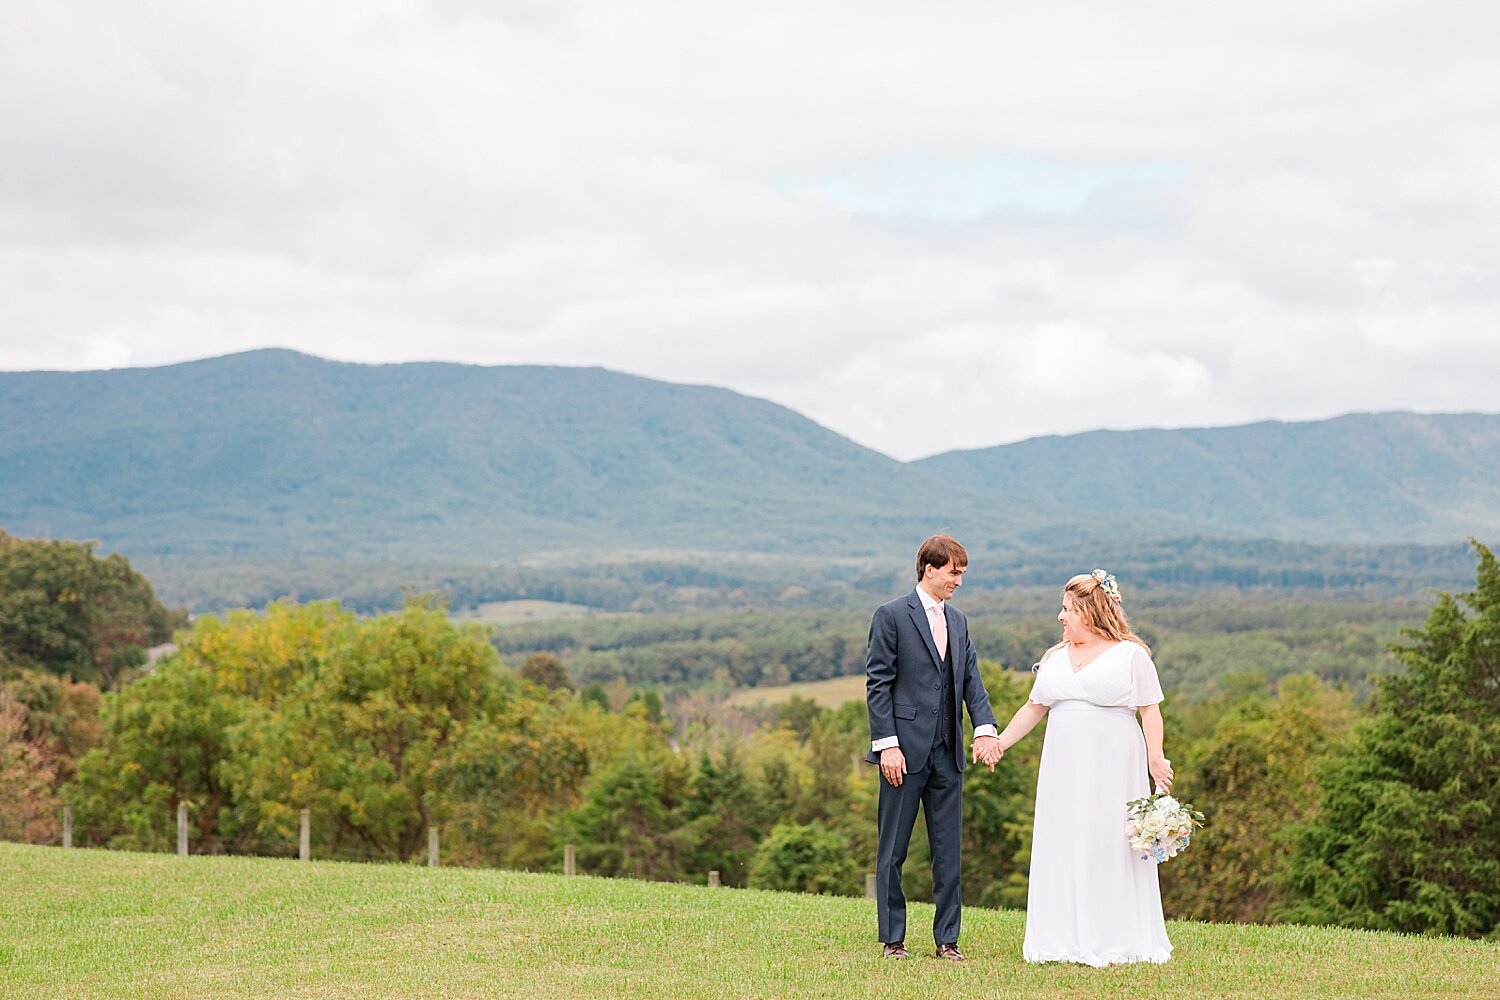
[1201, 641]
[657, 583]
[1346, 753]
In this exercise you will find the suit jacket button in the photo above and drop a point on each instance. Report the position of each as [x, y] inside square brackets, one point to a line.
[937, 687]
[934, 711]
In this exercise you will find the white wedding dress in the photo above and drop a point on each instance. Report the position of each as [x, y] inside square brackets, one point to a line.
[1091, 899]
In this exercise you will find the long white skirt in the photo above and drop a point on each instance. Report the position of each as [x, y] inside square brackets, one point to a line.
[1091, 899]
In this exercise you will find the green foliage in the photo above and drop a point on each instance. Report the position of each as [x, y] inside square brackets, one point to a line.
[725, 819]
[804, 858]
[626, 825]
[506, 778]
[1200, 640]
[359, 737]
[546, 670]
[381, 726]
[1408, 837]
[747, 648]
[798, 714]
[68, 612]
[594, 694]
[164, 737]
[998, 805]
[1258, 775]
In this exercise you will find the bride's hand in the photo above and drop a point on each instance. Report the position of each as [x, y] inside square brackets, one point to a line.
[987, 751]
[1161, 773]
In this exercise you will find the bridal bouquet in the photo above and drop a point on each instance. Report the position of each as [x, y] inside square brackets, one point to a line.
[1159, 826]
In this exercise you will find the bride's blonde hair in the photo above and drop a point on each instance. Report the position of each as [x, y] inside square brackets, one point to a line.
[1098, 604]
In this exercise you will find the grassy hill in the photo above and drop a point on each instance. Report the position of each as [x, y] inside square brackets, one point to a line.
[93, 924]
[1358, 478]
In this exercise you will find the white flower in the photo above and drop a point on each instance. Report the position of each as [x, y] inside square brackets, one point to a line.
[1159, 827]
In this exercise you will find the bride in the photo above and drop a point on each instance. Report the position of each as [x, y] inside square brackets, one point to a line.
[1090, 898]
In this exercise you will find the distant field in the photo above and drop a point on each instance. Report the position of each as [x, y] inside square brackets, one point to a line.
[98, 924]
[829, 694]
[511, 612]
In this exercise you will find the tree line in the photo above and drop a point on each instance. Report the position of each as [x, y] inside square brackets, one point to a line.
[1340, 642]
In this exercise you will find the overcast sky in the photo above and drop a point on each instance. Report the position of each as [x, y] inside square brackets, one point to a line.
[925, 225]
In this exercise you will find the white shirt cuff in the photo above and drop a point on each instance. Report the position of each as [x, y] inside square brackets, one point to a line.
[885, 744]
[986, 731]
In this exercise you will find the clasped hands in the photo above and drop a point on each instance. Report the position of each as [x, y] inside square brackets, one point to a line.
[987, 750]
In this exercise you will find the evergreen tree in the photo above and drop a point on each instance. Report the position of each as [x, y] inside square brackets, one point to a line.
[725, 818]
[594, 694]
[627, 825]
[1409, 833]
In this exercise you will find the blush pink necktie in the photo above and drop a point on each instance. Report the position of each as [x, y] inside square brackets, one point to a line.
[939, 629]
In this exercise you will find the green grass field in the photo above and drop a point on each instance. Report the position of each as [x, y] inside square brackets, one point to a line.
[107, 924]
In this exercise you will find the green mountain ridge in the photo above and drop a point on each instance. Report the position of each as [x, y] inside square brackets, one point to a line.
[1368, 477]
[274, 454]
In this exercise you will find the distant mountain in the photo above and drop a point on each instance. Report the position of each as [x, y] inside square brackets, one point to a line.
[275, 454]
[1386, 477]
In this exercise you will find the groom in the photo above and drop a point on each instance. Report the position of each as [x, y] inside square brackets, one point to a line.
[920, 669]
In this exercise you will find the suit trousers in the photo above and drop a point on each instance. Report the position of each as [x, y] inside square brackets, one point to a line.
[939, 790]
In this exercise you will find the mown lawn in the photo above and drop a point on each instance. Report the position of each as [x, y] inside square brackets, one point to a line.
[106, 924]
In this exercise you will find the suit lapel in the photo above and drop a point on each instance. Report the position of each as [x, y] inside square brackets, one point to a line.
[924, 628]
[955, 640]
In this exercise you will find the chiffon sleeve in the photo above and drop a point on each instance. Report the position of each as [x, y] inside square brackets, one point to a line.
[1044, 688]
[1145, 687]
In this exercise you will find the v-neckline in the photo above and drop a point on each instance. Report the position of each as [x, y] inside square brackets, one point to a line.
[1091, 660]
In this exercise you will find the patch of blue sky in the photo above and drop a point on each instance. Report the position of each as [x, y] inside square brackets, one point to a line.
[974, 188]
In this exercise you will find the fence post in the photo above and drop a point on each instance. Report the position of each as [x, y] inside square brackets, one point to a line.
[713, 879]
[432, 846]
[869, 885]
[570, 860]
[304, 841]
[182, 828]
[67, 826]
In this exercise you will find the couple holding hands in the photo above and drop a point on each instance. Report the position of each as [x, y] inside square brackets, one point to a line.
[1090, 899]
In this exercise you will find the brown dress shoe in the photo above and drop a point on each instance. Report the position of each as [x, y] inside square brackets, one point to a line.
[894, 950]
[951, 953]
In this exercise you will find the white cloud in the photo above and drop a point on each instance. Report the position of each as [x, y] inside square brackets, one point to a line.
[1203, 215]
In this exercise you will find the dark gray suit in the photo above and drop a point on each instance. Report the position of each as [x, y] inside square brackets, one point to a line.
[917, 697]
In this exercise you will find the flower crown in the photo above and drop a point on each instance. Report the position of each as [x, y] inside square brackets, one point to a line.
[1107, 584]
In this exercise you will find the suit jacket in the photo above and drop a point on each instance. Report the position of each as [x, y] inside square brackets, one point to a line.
[901, 672]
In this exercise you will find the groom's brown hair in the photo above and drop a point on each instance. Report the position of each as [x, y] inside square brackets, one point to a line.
[938, 551]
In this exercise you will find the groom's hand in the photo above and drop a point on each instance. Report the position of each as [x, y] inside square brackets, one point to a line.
[893, 765]
[987, 750]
